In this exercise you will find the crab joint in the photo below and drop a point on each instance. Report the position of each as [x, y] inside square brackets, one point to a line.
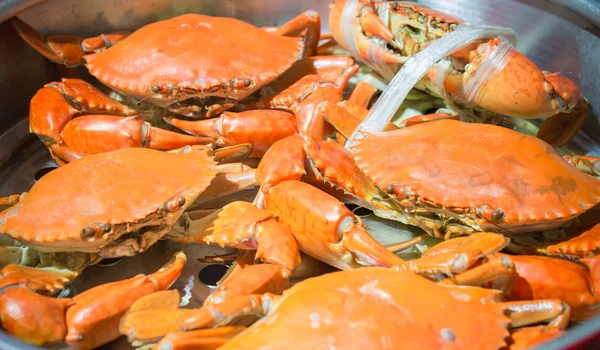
[95, 230]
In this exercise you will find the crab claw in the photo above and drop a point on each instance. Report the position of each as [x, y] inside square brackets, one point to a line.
[93, 318]
[260, 128]
[584, 245]
[67, 50]
[153, 316]
[40, 279]
[243, 226]
[364, 24]
[521, 90]
[31, 317]
[53, 117]
[456, 255]
[546, 277]
[324, 228]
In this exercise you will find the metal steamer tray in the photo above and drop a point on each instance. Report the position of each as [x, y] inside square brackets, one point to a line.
[560, 36]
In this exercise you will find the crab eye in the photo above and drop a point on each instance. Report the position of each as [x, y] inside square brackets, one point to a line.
[344, 226]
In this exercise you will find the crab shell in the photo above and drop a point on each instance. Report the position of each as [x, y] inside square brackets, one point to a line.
[114, 204]
[194, 56]
[476, 177]
[375, 308]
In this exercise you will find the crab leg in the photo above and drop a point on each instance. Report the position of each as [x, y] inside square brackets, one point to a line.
[46, 279]
[231, 178]
[147, 326]
[141, 326]
[584, 245]
[538, 276]
[497, 268]
[67, 50]
[243, 226]
[458, 254]
[260, 128]
[94, 317]
[205, 339]
[523, 313]
[309, 21]
[587, 164]
[304, 77]
[92, 134]
[52, 117]
[11, 200]
[233, 154]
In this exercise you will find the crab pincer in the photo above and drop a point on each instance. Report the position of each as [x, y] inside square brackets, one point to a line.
[89, 319]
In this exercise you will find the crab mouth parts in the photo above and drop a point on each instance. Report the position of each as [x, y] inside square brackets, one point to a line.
[131, 243]
[202, 107]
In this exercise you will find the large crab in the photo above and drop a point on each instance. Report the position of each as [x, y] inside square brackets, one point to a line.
[161, 63]
[520, 89]
[347, 301]
[101, 204]
[450, 178]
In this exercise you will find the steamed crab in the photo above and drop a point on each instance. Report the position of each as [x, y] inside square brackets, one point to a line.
[348, 299]
[186, 78]
[451, 178]
[106, 205]
[101, 204]
[520, 89]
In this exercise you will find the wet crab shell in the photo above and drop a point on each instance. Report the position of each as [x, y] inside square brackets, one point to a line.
[93, 201]
[375, 308]
[490, 177]
[195, 56]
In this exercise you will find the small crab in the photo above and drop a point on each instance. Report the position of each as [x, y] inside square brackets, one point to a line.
[111, 204]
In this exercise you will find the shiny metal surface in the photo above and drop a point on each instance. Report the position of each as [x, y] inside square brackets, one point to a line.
[556, 38]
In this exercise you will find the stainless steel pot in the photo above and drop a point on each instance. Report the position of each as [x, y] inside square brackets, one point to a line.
[558, 35]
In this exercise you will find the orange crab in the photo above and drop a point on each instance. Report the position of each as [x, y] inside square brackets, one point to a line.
[520, 90]
[86, 321]
[177, 73]
[101, 204]
[349, 299]
[450, 178]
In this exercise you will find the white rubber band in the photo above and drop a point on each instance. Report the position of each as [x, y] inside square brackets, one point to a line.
[415, 68]
[376, 58]
[348, 27]
[489, 68]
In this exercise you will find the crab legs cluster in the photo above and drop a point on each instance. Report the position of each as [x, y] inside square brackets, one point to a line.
[125, 182]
